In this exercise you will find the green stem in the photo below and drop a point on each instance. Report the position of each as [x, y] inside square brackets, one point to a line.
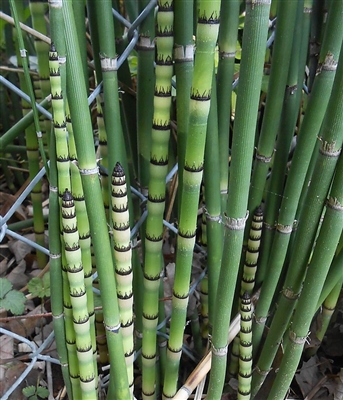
[227, 43]
[207, 33]
[123, 266]
[87, 163]
[323, 254]
[286, 17]
[305, 144]
[56, 286]
[184, 60]
[157, 192]
[78, 298]
[251, 71]
[331, 139]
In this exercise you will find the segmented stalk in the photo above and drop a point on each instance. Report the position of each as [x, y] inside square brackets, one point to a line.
[248, 278]
[248, 97]
[184, 59]
[323, 254]
[85, 246]
[156, 192]
[59, 121]
[123, 267]
[331, 141]
[286, 12]
[71, 141]
[63, 169]
[214, 226]
[56, 279]
[252, 253]
[307, 136]
[245, 349]
[41, 85]
[227, 42]
[145, 93]
[33, 135]
[207, 33]
[78, 298]
[102, 152]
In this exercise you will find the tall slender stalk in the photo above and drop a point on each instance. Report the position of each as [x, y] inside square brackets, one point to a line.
[245, 349]
[289, 116]
[156, 197]
[323, 254]
[41, 85]
[56, 285]
[78, 298]
[331, 138]
[145, 93]
[214, 229]
[286, 17]
[227, 42]
[184, 59]
[33, 141]
[59, 119]
[305, 144]
[123, 267]
[252, 253]
[108, 59]
[87, 164]
[85, 247]
[251, 70]
[206, 37]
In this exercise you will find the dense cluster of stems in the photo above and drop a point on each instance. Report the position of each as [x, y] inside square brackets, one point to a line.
[195, 181]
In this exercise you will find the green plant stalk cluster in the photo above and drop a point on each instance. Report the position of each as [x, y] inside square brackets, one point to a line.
[245, 349]
[330, 137]
[33, 139]
[145, 94]
[64, 183]
[184, 61]
[56, 283]
[156, 193]
[111, 110]
[206, 37]
[78, 298]
[42, 84]
[305, 144]
[123, 266]
[323, 254]
[59, 122]
[251, 71]
[60, 298]
[227, 42]
[77, 95]
[73, 362]
[289, 115]
[85, 246]
[286, 14]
